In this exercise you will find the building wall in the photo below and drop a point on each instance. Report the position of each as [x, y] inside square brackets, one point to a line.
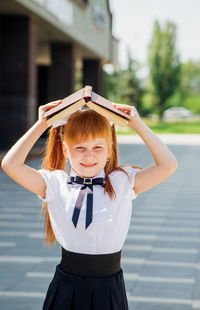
[81, 24]
[42, 42]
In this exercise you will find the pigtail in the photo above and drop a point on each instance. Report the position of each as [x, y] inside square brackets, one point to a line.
[112, 165]
[114, 147]
[53, 160]
[49, 236]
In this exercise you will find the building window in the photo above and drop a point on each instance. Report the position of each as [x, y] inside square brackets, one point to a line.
[82, 2]
[99, 14]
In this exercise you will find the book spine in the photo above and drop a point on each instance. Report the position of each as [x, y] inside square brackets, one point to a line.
[88, 92]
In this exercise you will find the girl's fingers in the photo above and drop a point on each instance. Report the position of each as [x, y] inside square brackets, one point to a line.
[49, 107]
[52, 104]
[44, 108]
[129, 110]
[121, 106]
[124, 109]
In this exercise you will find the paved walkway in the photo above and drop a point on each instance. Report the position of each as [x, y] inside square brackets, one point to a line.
[161, 255]
[173, 139]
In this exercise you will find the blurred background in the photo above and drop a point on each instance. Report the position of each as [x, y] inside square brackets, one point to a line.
[142, 53]
[158, 62]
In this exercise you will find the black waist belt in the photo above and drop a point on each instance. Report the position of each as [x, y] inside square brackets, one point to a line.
[90, 264]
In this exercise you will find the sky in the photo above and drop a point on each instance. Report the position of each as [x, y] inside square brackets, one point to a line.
[133, 25]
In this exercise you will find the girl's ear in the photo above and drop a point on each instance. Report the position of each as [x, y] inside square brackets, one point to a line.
[65, 150]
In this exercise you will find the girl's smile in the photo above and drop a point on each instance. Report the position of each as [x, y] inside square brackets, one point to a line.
[88, 165]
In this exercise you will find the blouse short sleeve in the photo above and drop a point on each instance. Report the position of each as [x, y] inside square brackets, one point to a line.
[51, 179]
[124, 183]
[130, 184]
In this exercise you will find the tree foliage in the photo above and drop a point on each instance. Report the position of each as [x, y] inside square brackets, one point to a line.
[132, 90]
[189, 89]
[124, 86]
[190, 78]
[164, 64]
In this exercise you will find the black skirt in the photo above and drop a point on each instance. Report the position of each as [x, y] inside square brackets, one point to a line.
[96, 283]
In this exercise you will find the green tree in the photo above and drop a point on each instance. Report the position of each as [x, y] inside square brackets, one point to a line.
[132, 90]
[189, 89]
[123, 85]
[164, 64]
[190, 78]
[112, 85]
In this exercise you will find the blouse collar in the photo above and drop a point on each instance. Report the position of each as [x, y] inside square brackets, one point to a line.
[101, 174]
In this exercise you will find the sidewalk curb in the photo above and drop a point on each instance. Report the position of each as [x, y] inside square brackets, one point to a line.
[173, 139]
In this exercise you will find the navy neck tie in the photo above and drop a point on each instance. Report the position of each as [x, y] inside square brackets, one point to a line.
[87, 187]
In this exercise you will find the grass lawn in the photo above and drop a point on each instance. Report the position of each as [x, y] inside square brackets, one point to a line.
[170, 127]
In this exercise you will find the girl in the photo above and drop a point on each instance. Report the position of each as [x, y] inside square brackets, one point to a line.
[88, 211]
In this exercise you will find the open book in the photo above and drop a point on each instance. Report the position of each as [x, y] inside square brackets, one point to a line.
[86, 97]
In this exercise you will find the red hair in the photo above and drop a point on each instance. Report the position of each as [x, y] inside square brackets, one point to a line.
[80, 126]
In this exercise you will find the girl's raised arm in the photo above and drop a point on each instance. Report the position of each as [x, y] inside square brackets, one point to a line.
[165, 162]
[13, 162]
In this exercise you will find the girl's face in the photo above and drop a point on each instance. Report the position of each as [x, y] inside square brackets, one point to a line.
[87, 158]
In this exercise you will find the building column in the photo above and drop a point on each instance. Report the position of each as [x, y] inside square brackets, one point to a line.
[17, 77]
[61, 72]
[93, 75]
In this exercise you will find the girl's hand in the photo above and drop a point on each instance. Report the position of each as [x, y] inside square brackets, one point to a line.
[130, 110]
[43, 108]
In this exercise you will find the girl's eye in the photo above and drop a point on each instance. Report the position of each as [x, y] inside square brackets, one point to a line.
[82, 148]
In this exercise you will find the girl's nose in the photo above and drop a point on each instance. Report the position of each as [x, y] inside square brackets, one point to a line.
[88, 153]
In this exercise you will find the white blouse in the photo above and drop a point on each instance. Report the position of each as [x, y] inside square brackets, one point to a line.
[111, 220]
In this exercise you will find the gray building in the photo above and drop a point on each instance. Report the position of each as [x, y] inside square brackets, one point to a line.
[43, 44]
